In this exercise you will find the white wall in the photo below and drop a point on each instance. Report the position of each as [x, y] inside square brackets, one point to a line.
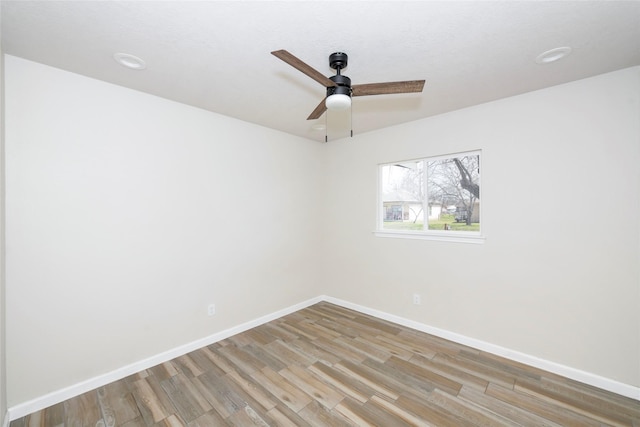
[126, 215]
[556, 279]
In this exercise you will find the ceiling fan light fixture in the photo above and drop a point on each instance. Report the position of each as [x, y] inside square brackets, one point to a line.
[339, 97]
[338, 102]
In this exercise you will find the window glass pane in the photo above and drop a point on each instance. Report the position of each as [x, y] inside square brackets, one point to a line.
[454, 192]
[441, 193]
[403, 196]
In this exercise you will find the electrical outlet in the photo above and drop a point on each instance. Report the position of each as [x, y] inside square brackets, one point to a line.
[416, 299]
[211, 310]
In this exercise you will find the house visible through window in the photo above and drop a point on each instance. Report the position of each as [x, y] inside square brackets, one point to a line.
[432, 195]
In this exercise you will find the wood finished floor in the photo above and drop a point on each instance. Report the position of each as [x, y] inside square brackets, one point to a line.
[329, 366]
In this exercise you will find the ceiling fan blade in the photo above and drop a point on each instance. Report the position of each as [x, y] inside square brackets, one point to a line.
[388, 88]
[321, 108]
[301, 66]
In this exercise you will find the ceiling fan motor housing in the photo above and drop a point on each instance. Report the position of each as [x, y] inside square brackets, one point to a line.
[342, 87]
[338, 60]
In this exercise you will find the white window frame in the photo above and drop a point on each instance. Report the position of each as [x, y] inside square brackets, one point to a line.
[437, 235]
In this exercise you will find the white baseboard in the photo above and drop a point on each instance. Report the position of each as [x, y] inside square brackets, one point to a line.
[556, 368]
[58, 396]
[66, 393]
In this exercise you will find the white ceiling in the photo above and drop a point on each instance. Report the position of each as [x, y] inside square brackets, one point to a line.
[216, 54]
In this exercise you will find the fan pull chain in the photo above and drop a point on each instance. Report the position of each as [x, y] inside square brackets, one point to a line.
[326, 131]
[326, 124]
[351, 118]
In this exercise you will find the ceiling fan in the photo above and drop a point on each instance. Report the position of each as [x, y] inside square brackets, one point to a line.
[339, 88]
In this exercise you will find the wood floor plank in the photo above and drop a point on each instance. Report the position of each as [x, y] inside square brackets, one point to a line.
[364, 348]
[343, 382]
[318, 390]
[164, 371]
[424, 374]
[188, 401]
[219, 393]
[222, 365]
[399, 412]
[285, 417]
[54, 415]
[314, 352]
[252, 389]
[368, 377]
[335, 311]
[593, 409]
[152, 401]
[116, 400]
[622, 404]
[488, 373]
[331, 366]
[339, 349]
[514, 369]
[429, 343]
[430, 413]
[456, 375]
[286, 392]
[592, 397]
[374, 324]
[82, 410]
[209, 419]
[364, 327]
[289, 354]
[318, 330]
[411, 347]
[342, 329]
[171, 421]
[201, 360]
[385, 346]
[368, 414]
[136, 422]
[261, 404]
[315, 414]
[299, 332]
[295, 317]
[309, 314]
[517, 415]
[260, 335]
[279, 332]
[262, 354]
[540, 407]
[186, 365]
[467, 410]
[240, 358]
[246, 417]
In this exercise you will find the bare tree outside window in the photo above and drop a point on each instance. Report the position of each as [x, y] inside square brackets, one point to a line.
[440, 193]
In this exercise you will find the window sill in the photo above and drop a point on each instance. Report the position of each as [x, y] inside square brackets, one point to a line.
[459, 237]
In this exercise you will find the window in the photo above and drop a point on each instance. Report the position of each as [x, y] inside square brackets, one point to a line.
[437, 197]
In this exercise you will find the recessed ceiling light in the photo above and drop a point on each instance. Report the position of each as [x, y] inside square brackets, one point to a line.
[318, 126]
[130, 61]
[553, 55]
